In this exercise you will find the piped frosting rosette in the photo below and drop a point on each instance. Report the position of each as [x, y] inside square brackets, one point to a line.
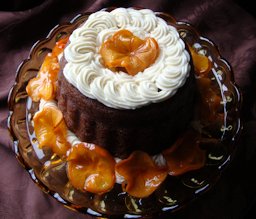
[85, 69]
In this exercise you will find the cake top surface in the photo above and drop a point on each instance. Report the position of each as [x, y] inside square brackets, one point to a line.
[159, 81]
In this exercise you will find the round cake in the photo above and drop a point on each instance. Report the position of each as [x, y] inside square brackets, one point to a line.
[114, 94]
[122, 117]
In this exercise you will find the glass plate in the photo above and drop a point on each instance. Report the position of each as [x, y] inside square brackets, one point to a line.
[49, 172]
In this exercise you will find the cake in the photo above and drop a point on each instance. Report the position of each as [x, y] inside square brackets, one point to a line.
[118, 111]
[116, 100]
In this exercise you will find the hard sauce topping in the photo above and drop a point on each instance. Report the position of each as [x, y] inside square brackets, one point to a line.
[86, 71]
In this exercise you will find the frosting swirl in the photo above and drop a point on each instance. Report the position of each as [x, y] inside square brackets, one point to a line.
[158, 82]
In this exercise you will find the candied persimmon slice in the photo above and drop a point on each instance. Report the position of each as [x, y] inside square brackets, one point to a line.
[142, 176]
[211, 104]
[125, 50]
[51, 130]
[185, 155]
[91, 168]
[59, 46]
[44, 85]
[210, 100]
[201, 63]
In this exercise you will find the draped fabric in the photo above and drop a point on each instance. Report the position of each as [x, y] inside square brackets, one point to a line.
[231, 27]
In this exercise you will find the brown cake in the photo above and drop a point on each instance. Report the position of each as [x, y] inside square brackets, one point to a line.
[151, 126]
[110, 114]
[116, 116]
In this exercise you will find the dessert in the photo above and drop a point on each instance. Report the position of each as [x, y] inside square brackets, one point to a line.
[126, 88]
[124, 114]
[125, 91]
[123, 80]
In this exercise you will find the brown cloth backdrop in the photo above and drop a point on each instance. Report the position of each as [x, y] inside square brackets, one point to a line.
[230, 26]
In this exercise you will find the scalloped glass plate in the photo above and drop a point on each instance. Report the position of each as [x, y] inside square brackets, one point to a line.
[49, 172]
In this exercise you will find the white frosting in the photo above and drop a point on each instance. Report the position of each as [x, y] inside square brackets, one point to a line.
[84, 68]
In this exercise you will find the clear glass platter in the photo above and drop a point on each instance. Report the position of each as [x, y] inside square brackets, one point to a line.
[48, 171]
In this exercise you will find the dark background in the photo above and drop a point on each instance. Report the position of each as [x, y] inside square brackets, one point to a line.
[233, 197]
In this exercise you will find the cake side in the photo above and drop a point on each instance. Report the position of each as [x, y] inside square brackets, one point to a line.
[151, 128]
[102, 103]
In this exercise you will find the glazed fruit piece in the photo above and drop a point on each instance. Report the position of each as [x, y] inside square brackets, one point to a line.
[128, 52]
[44, 85]
[210, 101]
[142, 176]
[185, 155]
[209, 98]
[201, 63]
[91, 168]
[51, 130]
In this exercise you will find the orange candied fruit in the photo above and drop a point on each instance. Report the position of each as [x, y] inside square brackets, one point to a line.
[60, 46]
[142, 176]
[202, 64]
[185, 155]
[91, 168]
[126, 51]
[51, 130]
[210, 100]
[44, 85]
